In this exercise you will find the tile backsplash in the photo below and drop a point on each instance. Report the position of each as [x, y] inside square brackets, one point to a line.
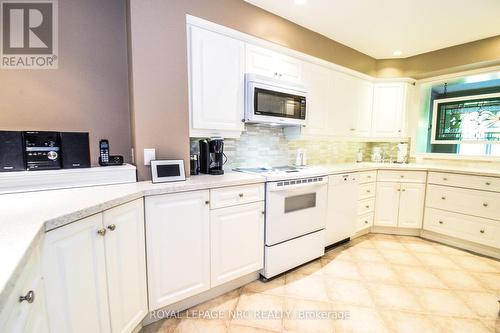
[261, 145]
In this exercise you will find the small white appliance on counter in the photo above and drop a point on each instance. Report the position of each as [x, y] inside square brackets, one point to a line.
[296, 207]
[402, 153]
[272, 101]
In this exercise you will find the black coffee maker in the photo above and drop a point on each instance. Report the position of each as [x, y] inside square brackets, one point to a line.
[212, 156]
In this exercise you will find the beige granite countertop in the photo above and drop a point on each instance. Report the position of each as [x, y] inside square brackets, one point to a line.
[24, 217]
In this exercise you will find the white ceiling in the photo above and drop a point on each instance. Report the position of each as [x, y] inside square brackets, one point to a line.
[380, 27]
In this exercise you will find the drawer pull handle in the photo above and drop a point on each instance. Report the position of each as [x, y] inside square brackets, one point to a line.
[398, 189]
[368, 191]
[366, 222]
[445, 179]
[367, 206]
[485, 204]
[443, 198]
[112, 227]
[263, 213]
[403, 190]
[402, 176]
[29, 297]
[241, 195]
[481, 231]
[101, 232]
[488, 183]
[207, 202]
[368, 177]
[441, 222]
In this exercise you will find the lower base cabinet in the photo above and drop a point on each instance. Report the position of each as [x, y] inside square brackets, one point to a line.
[95, 272]
[237, 241]
[178, 246]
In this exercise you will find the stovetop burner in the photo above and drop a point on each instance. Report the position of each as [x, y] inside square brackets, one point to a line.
[284, 172]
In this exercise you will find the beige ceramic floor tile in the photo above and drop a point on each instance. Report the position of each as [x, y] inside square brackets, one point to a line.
[275, 286]
[223, 304]
[312, 268]
[307, 316]
[361, 319]
[389, 244]
[490, 281]
[189, 325]
[450, 250]
[401, 257]
[360, 242]
[442, 302]
[484, 304]
[458, 279]
[418, 277]
[255, 310]
[475, 264]
[349, 292]
[338, 253]
[494, 262]
[306, 287]
[247, 329]
[461, 325]
[367, 255]
[409, 322]
[378, 272]
[341, 269]
[412, 239]
[419, 247]
[436, 260]
[394, 297]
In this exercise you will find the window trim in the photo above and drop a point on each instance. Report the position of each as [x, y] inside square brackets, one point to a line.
[457, 99]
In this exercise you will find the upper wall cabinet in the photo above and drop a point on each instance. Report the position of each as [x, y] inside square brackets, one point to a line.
[273, 64]
[216, 78]
[318, 82]
[389, 106]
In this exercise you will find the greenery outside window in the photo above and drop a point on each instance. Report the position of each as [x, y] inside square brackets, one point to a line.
[467, 119]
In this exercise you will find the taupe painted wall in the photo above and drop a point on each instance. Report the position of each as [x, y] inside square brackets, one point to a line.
[478, 54]
[89, 91]
[159, 63]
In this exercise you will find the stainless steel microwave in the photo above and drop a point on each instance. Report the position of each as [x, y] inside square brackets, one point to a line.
[272, 101]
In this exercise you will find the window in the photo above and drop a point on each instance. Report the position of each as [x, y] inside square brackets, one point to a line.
[468, 119]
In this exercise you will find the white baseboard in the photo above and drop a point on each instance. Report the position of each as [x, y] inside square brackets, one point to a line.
[198, 299]
[396, 231]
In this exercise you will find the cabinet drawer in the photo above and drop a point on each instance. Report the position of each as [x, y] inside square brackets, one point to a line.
[366, 206]
[470, 228]
[236, 195]
[470, 202]
[402, 176]
[467, 181]
[364, 221]
[367, 190]
[367, 176]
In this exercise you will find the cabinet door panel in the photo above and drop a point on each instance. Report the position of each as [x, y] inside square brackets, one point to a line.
[261, 61]
[318, 82]
[363, 107]
[126, 265]
[237, 241]
[387, 204]
[388, 109]
[411, 205]
[342, 116]
[75, 278]
[217, 81]
[178, 248]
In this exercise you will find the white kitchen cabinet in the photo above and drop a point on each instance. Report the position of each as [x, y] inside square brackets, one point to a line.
[389, 105]
[411, 205]
[318, 82]
[363, 107]
[74, 271]
[399, 204]
[95, 272]
[270, 63]
[178, 246]
[216, 78]
[387, 204]
[126, 265]
[237, 241]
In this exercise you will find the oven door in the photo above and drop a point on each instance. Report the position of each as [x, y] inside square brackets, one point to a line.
[295, 210]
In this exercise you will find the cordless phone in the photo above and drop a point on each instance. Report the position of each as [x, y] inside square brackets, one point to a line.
[103, 152]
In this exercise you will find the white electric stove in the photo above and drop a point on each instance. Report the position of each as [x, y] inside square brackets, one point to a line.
[296, 207]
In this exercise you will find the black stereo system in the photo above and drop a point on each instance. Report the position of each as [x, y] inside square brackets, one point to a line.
[43, 150]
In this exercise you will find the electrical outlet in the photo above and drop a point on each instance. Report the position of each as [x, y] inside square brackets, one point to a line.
[149, 155]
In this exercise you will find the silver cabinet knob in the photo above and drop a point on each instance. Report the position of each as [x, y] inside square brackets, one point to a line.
[368, 191]
[402, 176]
[487, 183]
[443, 198]
[398, 189]
[241, 195]
[29, 297]
[207, 202]
[481, 231]
[445, 179]
[366, 222]
[441, 222]
[403, 190]
[263, 213]
[101, 232]
[485, 204]
[111, 227]
[367, 206]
